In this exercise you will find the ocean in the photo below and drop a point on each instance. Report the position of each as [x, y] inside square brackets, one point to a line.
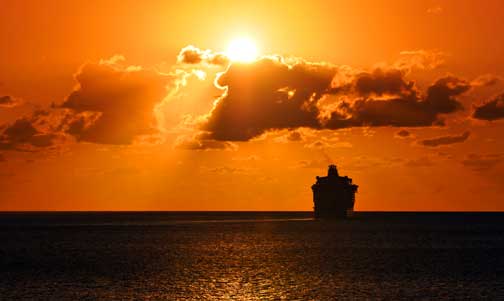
[250, 256]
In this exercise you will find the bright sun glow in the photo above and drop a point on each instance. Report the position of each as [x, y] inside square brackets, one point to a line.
[242, 50]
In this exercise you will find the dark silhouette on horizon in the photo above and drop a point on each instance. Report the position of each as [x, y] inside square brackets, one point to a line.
[333, 196]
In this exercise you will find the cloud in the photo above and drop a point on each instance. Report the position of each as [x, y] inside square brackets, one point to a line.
[381, 82]
[403, 134]
[486, 80]
[9, 101]
[420, 59]
[318, 144]
[403, 107]
[419, 162]
[290, 136]
[2, 158]
[194, 55]
[491, 110]
[199, 143]
[326, 143]
[116, 60]
[265, 95]
[294, 136]
[482, 162]
[445, 140]
[20, 131]
[113, 105]
[21, 135]
[271, 94]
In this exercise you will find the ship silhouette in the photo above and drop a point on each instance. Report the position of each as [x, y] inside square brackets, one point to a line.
[333, 195]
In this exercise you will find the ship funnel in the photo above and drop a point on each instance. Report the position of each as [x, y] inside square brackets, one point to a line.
[332, 171]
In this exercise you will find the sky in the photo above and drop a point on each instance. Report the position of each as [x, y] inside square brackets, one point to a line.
[221, 105]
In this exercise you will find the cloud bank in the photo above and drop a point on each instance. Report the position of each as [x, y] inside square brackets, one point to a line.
[445, 140]
[115, 104]
[271, 94]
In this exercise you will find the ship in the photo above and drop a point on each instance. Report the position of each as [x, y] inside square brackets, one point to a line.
[333, 195]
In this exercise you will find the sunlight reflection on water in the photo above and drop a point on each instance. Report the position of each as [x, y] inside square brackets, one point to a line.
[251, 260]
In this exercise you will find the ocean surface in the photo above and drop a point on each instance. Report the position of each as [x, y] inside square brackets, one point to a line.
[250, 256]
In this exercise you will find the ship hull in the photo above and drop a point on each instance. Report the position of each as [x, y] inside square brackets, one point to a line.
[334, 213]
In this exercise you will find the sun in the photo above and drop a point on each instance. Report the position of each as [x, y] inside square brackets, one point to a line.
[242, 50]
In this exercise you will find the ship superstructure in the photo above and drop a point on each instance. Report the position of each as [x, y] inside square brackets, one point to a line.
[333, 195]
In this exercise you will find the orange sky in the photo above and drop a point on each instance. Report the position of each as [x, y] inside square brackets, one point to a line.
[104, 107]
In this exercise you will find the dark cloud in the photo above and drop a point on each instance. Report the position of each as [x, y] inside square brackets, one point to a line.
[294, 136]
[76, 124]
[419, 162]
[491, 110]
[328, 143]
[201, 144]
[113, 105]
[194, 55]
[43, 140]
[289, 136]
[383, 82]
[403, 134]
[22, 135]
[401, 106]
[20, 131]
[271, 95]
[445, 140]
[482, 162]
[441, 95]
[190, 55]
[8, 101]
[266, 95]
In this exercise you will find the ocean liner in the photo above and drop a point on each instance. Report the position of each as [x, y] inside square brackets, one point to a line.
[333, 196]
